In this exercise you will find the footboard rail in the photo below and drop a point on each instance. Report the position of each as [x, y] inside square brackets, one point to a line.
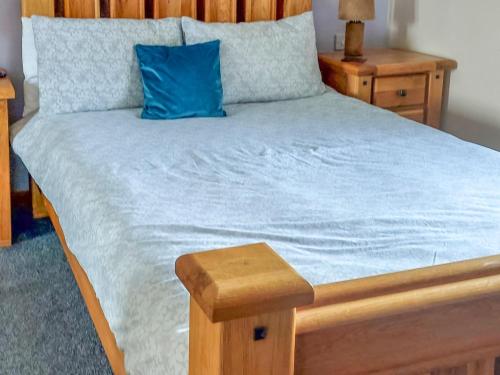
[251, 313]
[443, 326]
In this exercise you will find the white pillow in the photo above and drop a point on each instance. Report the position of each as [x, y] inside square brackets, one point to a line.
[263, 61]
[30, 68]
[91, 65]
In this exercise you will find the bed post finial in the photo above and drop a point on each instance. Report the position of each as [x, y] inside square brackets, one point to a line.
[242, 318]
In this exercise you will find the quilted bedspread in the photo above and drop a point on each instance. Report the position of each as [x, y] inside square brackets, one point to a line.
[339, 188]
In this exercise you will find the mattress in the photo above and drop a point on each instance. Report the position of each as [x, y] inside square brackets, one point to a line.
[340, 189]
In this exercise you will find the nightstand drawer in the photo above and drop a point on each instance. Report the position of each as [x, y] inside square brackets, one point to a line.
[415, 113]
[390, 92]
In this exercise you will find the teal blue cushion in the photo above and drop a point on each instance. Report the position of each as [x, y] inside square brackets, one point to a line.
[181, 81]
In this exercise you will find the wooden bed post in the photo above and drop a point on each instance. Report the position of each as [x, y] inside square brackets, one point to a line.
[37, 201]
[242, 318]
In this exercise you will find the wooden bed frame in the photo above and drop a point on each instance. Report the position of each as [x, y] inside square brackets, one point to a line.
[251, 313]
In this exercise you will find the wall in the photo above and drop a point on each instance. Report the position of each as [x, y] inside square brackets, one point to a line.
[467, 31]
[10, 49]
[326, 23]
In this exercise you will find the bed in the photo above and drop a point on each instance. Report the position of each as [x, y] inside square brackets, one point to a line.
[346, 196]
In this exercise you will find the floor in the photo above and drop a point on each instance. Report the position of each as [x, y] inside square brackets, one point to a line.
[44, 324]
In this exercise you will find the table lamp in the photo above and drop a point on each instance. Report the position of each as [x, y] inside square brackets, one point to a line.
[355, 11]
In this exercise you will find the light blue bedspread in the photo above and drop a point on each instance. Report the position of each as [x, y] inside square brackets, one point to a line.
[339, 188]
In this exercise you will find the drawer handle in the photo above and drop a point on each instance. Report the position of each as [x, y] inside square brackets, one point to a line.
[402, 93]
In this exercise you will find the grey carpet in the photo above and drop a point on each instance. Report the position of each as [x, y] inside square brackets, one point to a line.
[44, 324]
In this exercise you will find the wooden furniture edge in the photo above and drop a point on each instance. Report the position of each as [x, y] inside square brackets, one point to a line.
[336, 314]
[207, 10]
[397, 282]
[242, 281]
[409, 333]
[242, 311]
[7, 92]
[442, 317]
[114, 354]
[38, 205]
[432, 64]
[392, 79]
[5, 193]
[40, 7]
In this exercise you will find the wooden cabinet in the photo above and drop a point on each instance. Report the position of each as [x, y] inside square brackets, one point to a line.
[405, 82]
[6, 92]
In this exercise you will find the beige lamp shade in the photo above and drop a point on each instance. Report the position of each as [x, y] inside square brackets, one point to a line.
[357, 10]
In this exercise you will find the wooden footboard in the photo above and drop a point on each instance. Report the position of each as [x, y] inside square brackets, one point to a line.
[246, 317]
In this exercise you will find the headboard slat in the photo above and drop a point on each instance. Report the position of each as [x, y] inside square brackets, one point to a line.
[289, 8]
[38, 7]
[127, 9]
[258, 10]
[82, 9]
[205, 10]
[174, 8]
[220, 11]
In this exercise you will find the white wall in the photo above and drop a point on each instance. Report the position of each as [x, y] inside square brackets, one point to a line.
[468, 31]
[327, 24]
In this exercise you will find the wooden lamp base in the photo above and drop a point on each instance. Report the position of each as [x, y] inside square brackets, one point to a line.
[354, 36]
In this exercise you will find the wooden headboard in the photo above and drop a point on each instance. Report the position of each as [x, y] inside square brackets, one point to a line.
[204, 10]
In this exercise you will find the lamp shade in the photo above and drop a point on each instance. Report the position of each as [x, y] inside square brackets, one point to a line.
[356, 10]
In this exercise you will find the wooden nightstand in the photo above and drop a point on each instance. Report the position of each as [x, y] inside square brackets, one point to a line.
[408, 83]
[6, 92]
